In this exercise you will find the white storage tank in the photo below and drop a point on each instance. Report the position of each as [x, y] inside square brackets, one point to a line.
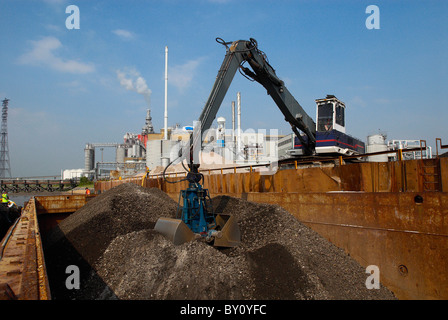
[168, 146]
[377, 143]
[153, 153]
[72, 173]
[165, 161]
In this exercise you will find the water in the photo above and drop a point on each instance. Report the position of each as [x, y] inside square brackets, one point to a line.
[21, 198]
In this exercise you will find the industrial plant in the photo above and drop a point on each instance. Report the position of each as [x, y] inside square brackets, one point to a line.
[151, 151]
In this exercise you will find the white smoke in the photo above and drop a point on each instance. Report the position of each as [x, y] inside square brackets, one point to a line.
[132, 80]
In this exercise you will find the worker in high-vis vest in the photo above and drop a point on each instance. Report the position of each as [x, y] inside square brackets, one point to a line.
[5, 198]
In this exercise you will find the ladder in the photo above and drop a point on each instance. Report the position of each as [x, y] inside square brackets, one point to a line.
[430, 171]
[431, 174]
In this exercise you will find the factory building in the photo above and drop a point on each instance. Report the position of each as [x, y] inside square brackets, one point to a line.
[224, 146]
[154, 151]
[130, 155]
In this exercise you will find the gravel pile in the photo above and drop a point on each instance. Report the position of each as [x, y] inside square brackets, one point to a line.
[119, 255]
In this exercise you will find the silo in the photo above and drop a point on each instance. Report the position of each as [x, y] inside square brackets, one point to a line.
[135, 150]
[89, 157]
[377, 143]
[120, 154]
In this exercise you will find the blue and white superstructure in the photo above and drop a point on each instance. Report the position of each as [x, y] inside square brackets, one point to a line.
[331, 138]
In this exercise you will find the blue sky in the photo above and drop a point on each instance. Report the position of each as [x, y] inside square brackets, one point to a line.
[65, 90]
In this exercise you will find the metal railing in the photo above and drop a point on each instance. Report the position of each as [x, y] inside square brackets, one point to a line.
[439, 142]
[296, 163]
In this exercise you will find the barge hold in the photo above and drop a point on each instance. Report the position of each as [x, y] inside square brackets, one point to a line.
[121, 255]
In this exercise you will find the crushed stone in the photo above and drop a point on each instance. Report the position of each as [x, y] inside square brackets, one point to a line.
[119, 255]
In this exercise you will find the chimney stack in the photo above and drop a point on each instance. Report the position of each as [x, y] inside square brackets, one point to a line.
[166, 93]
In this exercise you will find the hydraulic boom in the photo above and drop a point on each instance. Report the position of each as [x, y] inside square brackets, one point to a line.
[197, 216]
[237, 54]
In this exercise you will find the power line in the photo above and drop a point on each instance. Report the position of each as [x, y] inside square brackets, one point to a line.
[5, 165]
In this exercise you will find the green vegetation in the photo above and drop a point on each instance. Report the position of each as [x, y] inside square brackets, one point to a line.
[85, 182]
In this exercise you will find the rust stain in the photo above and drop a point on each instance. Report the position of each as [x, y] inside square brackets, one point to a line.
[22, 267]
[61, 203]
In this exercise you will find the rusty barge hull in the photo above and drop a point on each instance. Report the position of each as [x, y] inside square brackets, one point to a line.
[391, 215]
[23, 273]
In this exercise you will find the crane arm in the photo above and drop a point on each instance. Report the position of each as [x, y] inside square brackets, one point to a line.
[263, 73]
[237, 54]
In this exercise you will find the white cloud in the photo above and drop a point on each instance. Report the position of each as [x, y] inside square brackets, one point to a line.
[53, 28]
[124, 34]
[181, 76]
[43, 54]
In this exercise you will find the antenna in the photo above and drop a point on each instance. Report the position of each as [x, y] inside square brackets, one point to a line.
[5, 166]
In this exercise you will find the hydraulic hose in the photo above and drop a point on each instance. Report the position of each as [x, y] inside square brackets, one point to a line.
[164, 170]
